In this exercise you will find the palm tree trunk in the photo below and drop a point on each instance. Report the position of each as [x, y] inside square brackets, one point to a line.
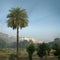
[17, 43]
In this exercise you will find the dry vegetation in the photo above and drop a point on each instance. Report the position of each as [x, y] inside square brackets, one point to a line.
[4, 55]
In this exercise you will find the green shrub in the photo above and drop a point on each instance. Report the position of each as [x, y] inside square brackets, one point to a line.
[30, 50]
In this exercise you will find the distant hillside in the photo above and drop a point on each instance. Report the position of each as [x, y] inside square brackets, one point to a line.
[3, 36]
[11, 39]
[10, 42]
[7, 38]
[56, 41]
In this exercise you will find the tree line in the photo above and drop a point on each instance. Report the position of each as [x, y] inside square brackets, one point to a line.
[43, 50]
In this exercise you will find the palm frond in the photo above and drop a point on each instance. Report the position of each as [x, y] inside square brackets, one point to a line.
[17, 17]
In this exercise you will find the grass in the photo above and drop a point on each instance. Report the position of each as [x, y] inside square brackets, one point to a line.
[34, 58]
[4, 55]
[3, 58]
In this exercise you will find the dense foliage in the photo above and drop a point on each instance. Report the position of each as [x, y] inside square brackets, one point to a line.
[41, 51]
[30, 50]
[57, 50]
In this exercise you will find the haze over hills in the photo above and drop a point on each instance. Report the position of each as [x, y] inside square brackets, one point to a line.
[6, 37]
[10, 39]
[56, 41]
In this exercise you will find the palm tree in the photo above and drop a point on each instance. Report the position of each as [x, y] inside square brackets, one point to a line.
[17, 18]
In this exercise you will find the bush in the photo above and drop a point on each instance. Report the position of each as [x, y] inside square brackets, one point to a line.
[42, 49]
[57, 51]
[12, 57]
[30, 50]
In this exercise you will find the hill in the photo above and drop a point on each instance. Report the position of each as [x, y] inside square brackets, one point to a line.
[56, 41]
[11, 39]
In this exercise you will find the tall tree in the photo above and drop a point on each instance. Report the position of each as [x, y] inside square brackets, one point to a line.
[17, 18]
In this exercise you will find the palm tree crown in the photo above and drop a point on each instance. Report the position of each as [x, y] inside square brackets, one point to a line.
[17, 18]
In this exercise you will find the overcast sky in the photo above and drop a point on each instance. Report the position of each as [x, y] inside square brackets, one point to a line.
[44, 18]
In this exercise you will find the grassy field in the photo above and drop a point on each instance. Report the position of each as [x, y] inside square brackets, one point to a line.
[34, 58]
[4, 55]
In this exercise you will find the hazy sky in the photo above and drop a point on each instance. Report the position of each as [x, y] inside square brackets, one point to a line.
[44, 18]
